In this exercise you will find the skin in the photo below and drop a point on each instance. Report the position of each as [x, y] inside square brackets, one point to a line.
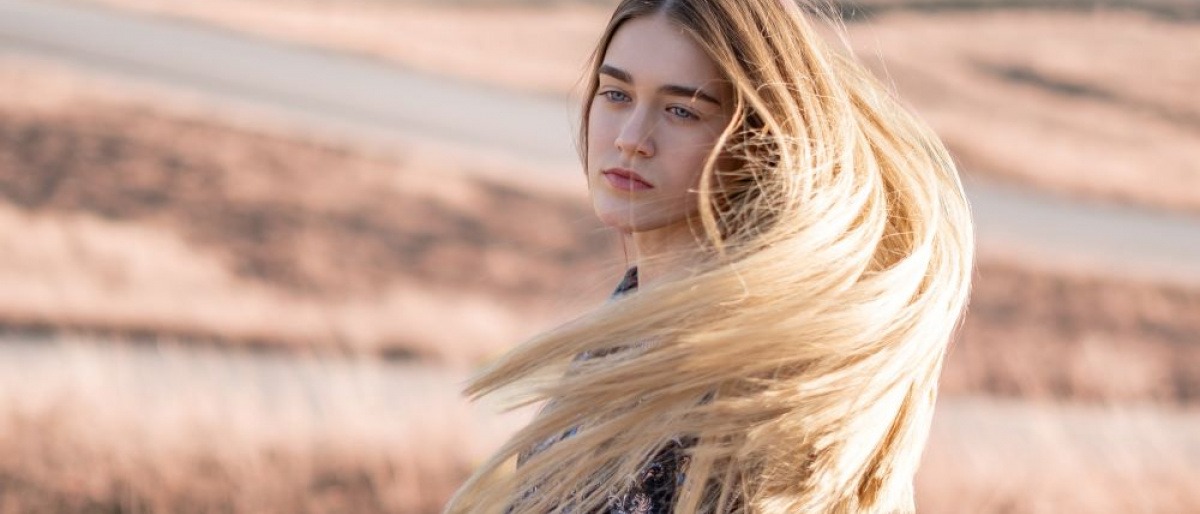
[662, 134]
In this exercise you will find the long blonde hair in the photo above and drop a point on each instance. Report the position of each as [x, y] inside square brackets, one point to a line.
[803, 356]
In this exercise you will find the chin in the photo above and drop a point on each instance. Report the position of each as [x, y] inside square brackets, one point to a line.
[625, 223]
[618, 222]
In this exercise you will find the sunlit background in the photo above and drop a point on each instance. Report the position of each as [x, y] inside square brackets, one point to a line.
[250, 249]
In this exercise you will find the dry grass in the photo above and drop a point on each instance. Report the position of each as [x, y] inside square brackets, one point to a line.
[1097, 106]
[1087, 338]
[996, 456]
[91, 427]
[1089, 103]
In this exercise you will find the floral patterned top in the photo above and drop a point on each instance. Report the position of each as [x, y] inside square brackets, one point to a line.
[653, 490]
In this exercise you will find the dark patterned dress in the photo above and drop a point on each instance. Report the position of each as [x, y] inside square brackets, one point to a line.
[653, 490]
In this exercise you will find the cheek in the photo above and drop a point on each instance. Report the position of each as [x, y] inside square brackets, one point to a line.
[688, 160]
[600, 134]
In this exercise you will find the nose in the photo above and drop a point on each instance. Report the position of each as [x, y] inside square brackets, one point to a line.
[635, 135]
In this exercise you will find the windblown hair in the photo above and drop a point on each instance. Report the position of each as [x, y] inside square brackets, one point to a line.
[802, 356]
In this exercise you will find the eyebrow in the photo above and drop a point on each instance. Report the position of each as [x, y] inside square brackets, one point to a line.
[670, 89]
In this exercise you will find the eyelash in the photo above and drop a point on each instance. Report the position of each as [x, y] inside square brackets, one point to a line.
[686, 114]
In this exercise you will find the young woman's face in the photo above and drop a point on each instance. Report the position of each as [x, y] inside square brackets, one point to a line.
[660, 106]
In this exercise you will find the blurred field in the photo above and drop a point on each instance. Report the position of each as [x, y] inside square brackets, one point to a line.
[989, 455]
[97, 426]
[1078, 98]
[138, 218]
[100, 427]
[131, 215]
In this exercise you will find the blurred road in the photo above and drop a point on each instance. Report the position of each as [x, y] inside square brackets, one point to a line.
[310, 85]
[377, 101]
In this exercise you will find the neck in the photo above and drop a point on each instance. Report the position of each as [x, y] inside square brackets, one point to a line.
[665, 253]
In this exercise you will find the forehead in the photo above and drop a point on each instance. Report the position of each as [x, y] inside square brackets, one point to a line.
[654, 50]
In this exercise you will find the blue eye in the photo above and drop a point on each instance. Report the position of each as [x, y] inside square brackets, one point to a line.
[614, 96]
[681, 112]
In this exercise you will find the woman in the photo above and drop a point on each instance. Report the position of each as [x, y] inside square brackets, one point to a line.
[803, 256]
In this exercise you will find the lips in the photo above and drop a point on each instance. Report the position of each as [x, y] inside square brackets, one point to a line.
[626, 179]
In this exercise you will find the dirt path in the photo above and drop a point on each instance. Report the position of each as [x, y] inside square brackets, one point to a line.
[368, 99]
